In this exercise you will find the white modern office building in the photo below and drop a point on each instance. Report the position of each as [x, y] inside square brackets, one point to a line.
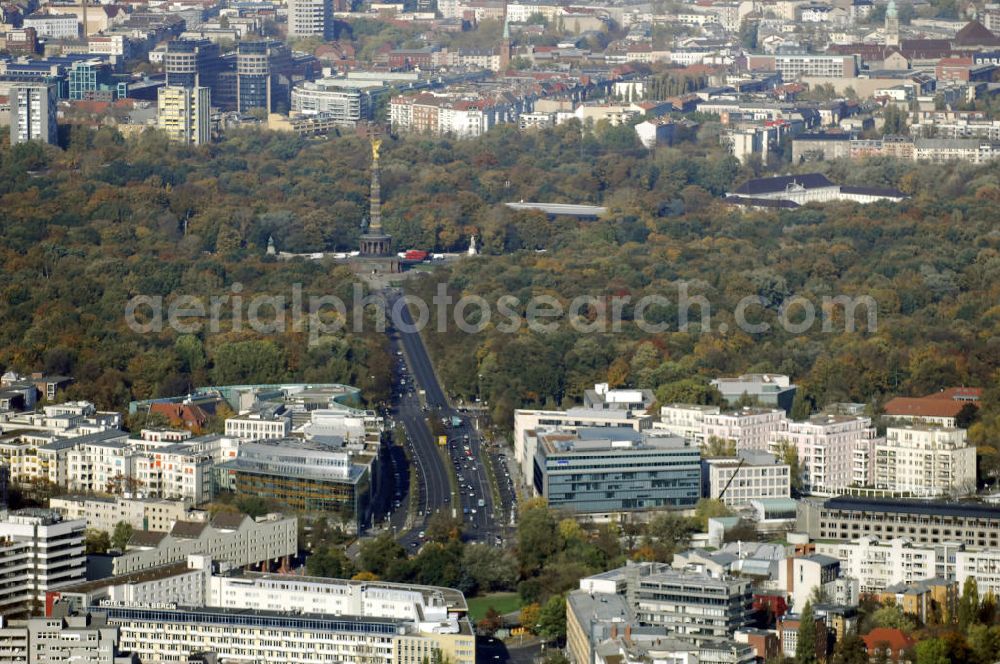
[751, 475]
[335, 98]
[527, 421]
[261, 424]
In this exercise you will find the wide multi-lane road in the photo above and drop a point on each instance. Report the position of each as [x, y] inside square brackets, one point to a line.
[419, 397]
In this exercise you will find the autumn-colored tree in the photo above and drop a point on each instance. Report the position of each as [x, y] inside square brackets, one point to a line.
[530, 616]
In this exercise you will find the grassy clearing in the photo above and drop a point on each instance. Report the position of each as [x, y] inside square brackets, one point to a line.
[501, 602]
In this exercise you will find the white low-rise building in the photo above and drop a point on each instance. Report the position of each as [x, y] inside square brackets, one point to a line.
[802, 577]
[260, 424]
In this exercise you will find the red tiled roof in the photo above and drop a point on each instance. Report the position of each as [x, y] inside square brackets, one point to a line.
[895, 639]
[958, 394]
[181, 413]
[975, 34]
[913, 407]
[946, 403]
[91, 106]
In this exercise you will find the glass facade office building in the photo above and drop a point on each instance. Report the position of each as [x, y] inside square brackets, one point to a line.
[305, 475]
[602, 470]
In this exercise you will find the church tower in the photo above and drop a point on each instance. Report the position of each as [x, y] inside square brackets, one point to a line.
[891, 25]
[505, 46]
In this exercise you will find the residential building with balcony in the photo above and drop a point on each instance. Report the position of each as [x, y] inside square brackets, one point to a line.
[685, 420]
[982, 565]
[39, 552]
[925, 461]
[653, 598]
[692, 606]
[101, 513]
[878, 565]
[185, 114]
[826, 447]
[747, 428]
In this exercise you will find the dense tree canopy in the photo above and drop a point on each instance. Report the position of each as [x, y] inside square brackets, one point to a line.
[84, 230]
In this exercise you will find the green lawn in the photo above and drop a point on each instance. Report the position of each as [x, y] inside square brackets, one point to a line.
[501, 602]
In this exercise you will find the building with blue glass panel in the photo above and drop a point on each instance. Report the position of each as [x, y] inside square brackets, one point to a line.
[608, 470]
